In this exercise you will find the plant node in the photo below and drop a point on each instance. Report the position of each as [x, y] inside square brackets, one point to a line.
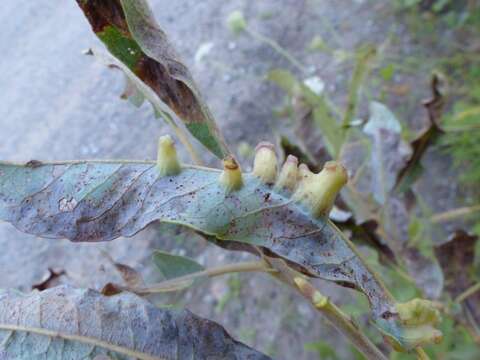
[315, 297]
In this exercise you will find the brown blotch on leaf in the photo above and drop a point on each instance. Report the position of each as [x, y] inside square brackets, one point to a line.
[102, 13]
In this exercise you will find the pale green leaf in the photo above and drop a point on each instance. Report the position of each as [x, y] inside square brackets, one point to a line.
[173, 266]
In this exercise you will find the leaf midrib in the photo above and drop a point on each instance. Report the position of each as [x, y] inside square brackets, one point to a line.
[82, 339]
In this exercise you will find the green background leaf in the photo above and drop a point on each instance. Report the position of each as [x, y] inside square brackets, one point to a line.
[173, 266]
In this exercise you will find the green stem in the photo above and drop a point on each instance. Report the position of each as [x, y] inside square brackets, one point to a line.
[184, 281]
[454, 214]
[463, 128]
[469, 292]
[338, 319]
[421, 354]
[364, 57]
[274, 45]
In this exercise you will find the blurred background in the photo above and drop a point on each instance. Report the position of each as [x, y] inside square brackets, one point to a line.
[362, 58]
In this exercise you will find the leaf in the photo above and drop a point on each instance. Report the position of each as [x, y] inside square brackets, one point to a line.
[428, 136]
[364, 56]
[284, 79]
[68, 323]
[389, 152]
[100, 201]
[309, 104]
[50, 279]
[375, 161]
[131, 91]
[421, 265]
[136, 90]
[131, 34]
[130, 276]
[173, 266]
[456, 258]
[322, 348]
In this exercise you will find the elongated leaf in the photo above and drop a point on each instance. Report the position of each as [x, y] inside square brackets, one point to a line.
[131, 34]
[173, 266]
[364, 57]
[100, 201]
[68, 323]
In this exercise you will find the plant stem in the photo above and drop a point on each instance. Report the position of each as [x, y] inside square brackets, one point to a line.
[419, 350]
[455, 213]
[469, 292]
[183, 281]
[338, 319]
[274, 45]
[421, 354]
[462, 128]
[364, 57]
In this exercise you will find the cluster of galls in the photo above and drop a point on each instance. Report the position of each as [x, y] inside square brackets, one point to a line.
[316, 192]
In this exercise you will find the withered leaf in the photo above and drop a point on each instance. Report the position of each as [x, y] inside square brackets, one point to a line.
[69, 323]
[375, 160]
[130, 276]
[102, 200]
[130, 32]
[456, 258]
[413, 168]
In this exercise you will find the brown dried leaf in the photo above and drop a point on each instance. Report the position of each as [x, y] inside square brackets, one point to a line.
[456, 258]
[413, 168]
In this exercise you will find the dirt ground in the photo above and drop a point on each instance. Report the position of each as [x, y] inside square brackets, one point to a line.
[56, 103]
